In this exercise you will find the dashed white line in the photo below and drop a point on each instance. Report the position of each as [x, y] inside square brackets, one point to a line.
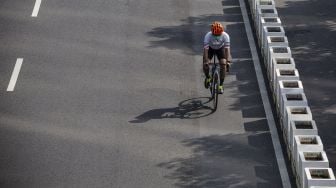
[267, 106]
[36, 8]
[15, 74]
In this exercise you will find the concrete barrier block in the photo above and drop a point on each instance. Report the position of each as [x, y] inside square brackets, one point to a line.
[319, 177]
[281, 63]
[309, 159]
[267, 21]
[277, 31]
[276, 52]
[264, 11]
[287, 87]
[295, 113]
[257, 3]
[301, 128]
[291, 99]
[305, 143]
[273, 41]
[281, 75]
[253, 7]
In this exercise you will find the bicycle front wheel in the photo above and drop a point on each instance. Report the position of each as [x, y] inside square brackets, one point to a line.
[214, 92]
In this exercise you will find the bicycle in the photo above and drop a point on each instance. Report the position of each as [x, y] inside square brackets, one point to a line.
[214, 83]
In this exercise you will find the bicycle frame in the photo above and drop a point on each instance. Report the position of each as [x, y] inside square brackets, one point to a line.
[214, 67]
[214, 82]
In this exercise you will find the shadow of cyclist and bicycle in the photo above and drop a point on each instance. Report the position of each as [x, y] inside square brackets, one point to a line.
[188, 109]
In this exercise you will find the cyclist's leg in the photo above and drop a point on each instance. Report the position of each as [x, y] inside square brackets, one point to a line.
[222, 64]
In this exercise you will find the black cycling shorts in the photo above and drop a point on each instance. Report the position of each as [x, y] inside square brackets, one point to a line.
[219, 53]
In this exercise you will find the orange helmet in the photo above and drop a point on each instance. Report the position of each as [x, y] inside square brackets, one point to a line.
[216, 28]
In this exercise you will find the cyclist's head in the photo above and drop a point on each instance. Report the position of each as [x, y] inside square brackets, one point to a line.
[217, 28]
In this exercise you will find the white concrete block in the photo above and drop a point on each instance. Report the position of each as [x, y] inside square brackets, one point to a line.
[253, 7]
[283, 74]
[281, 63]
[270, 31]
[305, 143]
[319, 177]
[264, 11]
[256, 3]
[276, 52]
[273, 41]
[295, 113]
[309, 159]
[267, 21]
[287, 87]
[301, 128]
[291, 99]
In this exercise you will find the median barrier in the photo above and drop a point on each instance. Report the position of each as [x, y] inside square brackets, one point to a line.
[255, 3]
[285, 100]
[273, 41]
[319, 177]
[264, 11]
[287, 93]
[253, 7]
[266, 31]
[310, 159]
[294, 113]
[281, 75]
[287, 87]
[291, 99]
[271, 20]
[280, 63]
[276, 52]
[301, 128]
[305, 143]
[268, 10]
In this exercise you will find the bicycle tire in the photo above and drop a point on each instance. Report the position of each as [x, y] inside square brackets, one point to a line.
[215, 90]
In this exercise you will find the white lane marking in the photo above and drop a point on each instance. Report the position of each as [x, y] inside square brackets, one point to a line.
[268, 110]
[15, 74]
[36, 8]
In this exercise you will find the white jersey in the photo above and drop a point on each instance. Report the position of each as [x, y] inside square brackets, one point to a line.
[216, 42]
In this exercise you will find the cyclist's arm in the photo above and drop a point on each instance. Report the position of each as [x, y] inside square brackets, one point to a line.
[227, 54]
[206, 55]
[206, 48]
[227, 50]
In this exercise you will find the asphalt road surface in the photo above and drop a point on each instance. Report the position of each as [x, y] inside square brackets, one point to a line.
[110, 94]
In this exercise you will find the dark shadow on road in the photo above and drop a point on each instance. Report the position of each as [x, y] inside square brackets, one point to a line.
[188, 109]
[218, 161]
[188, 36]
[311, 30]
[182, 36]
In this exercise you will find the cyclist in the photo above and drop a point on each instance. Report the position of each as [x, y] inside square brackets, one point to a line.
[216, 42]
